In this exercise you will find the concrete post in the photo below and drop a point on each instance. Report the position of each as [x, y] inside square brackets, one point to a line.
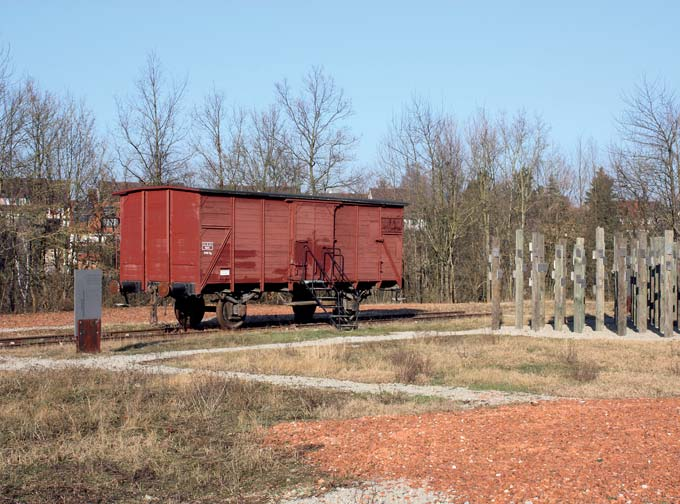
[657, 251]
[579, 278]
[642, 279]
[621, 308]
[538, 271]
[668, 295]
[598, 255]
[632, 281]
[559, 288]
[495, 276]
[518, 274]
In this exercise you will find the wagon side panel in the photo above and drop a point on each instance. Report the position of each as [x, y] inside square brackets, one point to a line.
[323, 227]
[185, 235]
[276, 226]
[248, 240]
[346, 219]
[157, 243]
[132, 238]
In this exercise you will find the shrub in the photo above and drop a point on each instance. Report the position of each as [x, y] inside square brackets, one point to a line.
[585, 371]
[408, 364]
[581, 370]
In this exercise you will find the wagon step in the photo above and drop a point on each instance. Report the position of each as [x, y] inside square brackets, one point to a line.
[311, 302]
[323, 288]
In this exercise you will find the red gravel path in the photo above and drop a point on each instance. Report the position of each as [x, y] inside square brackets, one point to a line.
[566, 451]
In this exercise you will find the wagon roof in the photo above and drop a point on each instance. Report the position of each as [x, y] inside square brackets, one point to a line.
[269, 195]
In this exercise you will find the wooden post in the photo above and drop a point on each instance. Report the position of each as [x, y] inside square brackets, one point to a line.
[598, 255]
[621, 308]
[558, 277]
[651, 290]
[668, 284]
[642, 279]
[632, 281]
[658, 247]
[495, 276]
[518, 274]
[538, 270]
[676, 249]
[579, 278]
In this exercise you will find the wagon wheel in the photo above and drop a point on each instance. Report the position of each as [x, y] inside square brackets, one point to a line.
[189, 312]
[304, 314]
[230, 315]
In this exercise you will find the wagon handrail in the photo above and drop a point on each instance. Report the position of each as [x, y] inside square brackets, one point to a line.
[332, 253]
[316, 266]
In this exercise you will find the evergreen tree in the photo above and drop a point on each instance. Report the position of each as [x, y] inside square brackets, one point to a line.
[602, 205]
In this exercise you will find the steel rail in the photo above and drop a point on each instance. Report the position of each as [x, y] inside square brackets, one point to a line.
[175, 330]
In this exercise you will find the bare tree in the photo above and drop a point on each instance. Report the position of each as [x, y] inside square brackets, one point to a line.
[319, 140]
[272, 166]
[42, 131]
[425, 147]
[151, 134]
[522, 152]
[220, 142]
[647, 163]
[484, 146]
[208, 142]
[80, 159]
[12, 118]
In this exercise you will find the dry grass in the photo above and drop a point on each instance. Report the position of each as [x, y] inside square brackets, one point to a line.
[238, 338]
[93, 436]
[570, 368]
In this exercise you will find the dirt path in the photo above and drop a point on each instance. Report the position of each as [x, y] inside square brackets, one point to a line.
[557, 451]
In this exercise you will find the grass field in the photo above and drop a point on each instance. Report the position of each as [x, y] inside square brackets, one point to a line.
[239, 338]
[95, 436]
[98, 436]
[568, 368]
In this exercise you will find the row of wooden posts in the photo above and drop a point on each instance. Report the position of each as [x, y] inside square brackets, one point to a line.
[645, 282]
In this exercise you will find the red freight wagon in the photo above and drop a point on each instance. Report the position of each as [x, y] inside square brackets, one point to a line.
[231, 246]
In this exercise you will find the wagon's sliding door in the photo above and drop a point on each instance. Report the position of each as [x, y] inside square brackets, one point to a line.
[216, 241]
[313, 226]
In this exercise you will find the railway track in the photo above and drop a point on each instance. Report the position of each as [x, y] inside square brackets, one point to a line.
[175, 330]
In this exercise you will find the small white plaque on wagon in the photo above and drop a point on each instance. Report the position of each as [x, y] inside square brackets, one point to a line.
[225, 271]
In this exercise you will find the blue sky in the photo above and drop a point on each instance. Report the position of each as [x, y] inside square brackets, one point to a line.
[570, 62]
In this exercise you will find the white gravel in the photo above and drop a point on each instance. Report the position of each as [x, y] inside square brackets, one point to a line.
[145, 363]
[148, 363]
[387, 492]
[588, 334]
